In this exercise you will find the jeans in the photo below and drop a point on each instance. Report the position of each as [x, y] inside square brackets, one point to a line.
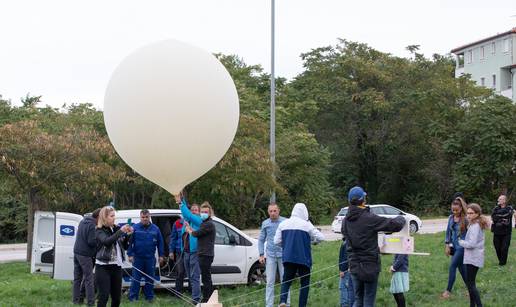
[191, 263]
[109, 282]
[207, 285]
[456, 263]
[501, 244]
[471, 275]
[347, 293]
[271, 265]
[365, 292]
[147, 266]
[290, 273]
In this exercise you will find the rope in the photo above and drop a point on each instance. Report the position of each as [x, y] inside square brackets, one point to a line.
[260, 290]
[169, 288]
[292, 290]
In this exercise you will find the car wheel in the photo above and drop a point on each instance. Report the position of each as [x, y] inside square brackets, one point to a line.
[413, 227]
[257, 275]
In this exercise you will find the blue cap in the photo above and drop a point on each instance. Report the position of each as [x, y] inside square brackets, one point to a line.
[356, 193]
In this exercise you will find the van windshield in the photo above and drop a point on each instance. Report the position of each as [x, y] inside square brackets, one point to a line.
[343, 211]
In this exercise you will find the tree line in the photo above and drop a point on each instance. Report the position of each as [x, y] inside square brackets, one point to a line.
[405, 129]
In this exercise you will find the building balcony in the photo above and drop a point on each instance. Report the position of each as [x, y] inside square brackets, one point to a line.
[459, 71]
[507, 93]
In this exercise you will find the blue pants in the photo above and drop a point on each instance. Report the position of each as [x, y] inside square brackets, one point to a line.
[290, 270]
[146, 265]
[191, 263]
[365, 292]
[456, 263]
[347, 293]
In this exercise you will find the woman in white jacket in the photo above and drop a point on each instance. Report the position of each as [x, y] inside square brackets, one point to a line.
[474, 250]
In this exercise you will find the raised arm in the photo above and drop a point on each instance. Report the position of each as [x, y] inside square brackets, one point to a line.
[388, 224]
[191, 218]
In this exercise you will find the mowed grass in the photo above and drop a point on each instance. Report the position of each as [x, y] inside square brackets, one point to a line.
[428, 278]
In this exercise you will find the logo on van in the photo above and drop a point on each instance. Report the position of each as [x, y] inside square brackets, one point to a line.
[67, 230]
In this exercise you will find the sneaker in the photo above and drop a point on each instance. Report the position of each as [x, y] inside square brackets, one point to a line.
[282, 305]
[446, 294]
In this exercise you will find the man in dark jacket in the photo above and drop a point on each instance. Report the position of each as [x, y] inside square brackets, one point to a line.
[83, 260]
[143, 243]
[360, 228]
[205, 248]
[502, 228]
[176, 254]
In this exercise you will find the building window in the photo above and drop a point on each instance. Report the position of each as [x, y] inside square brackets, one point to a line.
[470, 56]
[494, 81]
[506, 45]
[493, 47]
[481, 52]
[482, 81]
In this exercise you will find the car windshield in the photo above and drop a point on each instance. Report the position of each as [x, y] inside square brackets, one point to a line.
[343, 212]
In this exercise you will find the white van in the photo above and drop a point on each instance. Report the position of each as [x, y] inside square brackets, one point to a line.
[235, 262]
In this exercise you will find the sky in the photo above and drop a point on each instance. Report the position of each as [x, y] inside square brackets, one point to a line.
[66, 50]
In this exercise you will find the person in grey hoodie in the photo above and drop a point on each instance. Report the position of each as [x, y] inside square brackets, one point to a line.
[474, 250]
[83, 253]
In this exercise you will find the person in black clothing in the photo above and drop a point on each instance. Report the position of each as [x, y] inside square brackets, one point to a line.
[360, 228]
[111, 240]
[205, 248]
[83, 252]
[502, 228]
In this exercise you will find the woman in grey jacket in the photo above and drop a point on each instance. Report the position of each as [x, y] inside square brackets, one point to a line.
[474, 250]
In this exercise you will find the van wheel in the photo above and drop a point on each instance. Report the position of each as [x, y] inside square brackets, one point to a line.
[413, 227]
[257, 275]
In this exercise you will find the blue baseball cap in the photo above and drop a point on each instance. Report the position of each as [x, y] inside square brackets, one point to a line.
[356, 193]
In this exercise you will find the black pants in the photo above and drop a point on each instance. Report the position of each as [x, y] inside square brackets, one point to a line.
[471, 275]
[501, 244]
[400, 299]
[180, 271]
[109, 282]
[83, 280]
[207, 286]
[289, 273]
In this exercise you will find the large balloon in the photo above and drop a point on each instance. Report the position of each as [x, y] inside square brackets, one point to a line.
[171, 112]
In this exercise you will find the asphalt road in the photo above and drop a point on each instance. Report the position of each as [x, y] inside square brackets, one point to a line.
[17, 252]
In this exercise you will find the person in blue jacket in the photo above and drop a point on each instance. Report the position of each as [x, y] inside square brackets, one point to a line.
[176, 253]
[142, 249]
[347, 293]
[455, 231]
[190, 258]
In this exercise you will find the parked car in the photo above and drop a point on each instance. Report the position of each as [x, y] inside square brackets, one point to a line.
[382, 210]
[235, 262]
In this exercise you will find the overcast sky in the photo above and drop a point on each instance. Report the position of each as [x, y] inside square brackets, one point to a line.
[66, 50]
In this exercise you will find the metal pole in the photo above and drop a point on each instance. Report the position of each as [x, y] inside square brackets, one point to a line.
[273, 101]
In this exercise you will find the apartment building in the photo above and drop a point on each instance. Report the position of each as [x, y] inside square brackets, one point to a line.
[491, 62]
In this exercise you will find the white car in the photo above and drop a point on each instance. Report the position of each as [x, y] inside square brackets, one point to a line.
[382, 210]
[235, 262]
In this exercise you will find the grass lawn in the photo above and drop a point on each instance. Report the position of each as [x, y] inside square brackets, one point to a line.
[428, 278]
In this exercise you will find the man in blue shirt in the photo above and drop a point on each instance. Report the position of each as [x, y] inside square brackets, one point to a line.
[142, 248]
[273, 256]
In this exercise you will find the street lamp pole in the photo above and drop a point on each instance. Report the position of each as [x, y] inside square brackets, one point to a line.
[273, 101]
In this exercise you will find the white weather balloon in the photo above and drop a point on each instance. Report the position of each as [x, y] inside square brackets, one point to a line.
[171, 112]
